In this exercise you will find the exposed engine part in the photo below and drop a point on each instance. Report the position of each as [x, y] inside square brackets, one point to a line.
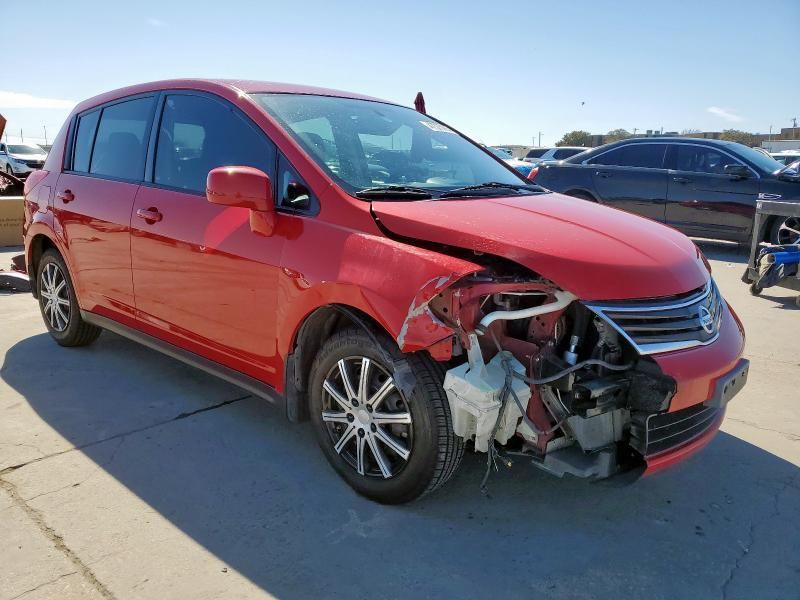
[572, 461]
[599, 431]
[475, 392]
[571, 356]
[560, 303]
[547, 378]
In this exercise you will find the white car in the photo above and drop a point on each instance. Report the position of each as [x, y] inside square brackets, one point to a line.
[21, 159]
[786, 156]
[538, 155]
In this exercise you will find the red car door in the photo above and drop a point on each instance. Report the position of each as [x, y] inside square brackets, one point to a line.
[203, 279]
[93, 202]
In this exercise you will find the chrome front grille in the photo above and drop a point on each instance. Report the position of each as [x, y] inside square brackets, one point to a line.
[666, 324]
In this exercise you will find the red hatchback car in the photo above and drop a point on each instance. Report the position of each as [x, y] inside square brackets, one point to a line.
[375, 271]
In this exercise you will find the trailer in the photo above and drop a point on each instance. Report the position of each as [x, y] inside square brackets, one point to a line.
[752, 275]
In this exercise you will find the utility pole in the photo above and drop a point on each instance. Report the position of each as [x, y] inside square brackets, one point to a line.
[45, 134]
[634, 131]
[540, 139]
[21, 139]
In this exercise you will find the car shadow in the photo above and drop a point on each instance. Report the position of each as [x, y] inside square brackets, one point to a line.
[256, 492]
[724, 251]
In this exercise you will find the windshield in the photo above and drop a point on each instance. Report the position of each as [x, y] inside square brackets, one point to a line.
[368, 145]
[786, 159]
[24, 149]
[758, 158]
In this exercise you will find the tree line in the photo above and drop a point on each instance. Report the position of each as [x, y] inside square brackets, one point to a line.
[579, 137]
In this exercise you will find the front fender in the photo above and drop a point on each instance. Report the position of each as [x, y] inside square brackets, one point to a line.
[390, 281]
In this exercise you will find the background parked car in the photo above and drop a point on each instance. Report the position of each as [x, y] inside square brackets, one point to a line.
[522, 167]
[704, 188]
[786, 156]
[538, 155]
[21, 159]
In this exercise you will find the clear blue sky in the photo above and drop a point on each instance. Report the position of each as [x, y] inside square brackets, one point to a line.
[499, 71]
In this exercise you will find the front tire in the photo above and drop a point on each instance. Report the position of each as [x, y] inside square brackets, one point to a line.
[59, 304]
[389, 445]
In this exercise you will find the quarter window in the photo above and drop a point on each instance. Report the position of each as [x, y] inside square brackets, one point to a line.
[87, 125]
[198, 134]
[121, 144]
[698, 159]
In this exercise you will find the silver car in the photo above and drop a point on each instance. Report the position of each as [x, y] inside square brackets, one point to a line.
[21, 159]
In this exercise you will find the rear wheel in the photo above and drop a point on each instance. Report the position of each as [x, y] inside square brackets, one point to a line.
[59, 304]
[785, 231]
[390, 445]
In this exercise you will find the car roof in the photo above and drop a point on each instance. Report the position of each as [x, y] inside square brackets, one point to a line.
[224, 86]
[669, 139]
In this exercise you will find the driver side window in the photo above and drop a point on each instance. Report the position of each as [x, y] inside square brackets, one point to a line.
[696, 159]
[198, 134]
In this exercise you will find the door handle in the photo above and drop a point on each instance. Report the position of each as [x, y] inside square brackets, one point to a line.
[680, 179]
[150, 215]
[66, 196]
[603, 174]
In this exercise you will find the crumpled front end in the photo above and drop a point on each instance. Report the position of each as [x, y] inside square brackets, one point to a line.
[587, 389]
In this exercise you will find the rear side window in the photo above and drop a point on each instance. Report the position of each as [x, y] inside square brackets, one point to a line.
[87, 125]
[198, 134]
[649, 156]
[536, 153]
[121, 143]
[565, 153]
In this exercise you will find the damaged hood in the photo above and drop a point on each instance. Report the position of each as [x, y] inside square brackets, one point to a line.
[593, 251]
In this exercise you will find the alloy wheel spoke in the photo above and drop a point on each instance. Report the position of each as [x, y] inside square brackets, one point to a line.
[340, 400]
[348, 386]
[346, 437]
[60, 287]
[62, 302]
[62, 317]
[360, 442]
[380, 457]
[392, 443]
[378, 397]
[382, 418]
[330, 416]
[363, 379]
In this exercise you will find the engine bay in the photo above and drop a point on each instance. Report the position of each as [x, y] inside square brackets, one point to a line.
[536, 373]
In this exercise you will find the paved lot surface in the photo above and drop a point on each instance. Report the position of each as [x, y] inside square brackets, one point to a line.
[125, 474]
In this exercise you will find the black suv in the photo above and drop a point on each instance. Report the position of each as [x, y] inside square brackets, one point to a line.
[704, 188]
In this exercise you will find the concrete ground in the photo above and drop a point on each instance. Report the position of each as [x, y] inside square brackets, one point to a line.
[125, 474]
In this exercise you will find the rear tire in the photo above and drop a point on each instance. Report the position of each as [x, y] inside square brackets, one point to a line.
[400, 446]
[59, 304]
[782, 231]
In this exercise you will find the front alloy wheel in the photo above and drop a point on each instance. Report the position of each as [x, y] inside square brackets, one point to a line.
[392, 443]
[367, 417]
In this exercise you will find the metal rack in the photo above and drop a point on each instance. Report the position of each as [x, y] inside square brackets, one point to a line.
[770, 208]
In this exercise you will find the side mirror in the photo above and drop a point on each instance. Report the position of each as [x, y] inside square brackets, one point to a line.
[737, 171]
[244, 187]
